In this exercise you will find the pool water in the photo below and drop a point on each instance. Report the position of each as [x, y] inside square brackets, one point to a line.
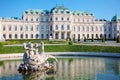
[67, 68]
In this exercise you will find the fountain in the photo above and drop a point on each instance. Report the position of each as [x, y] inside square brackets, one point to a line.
[35, 61]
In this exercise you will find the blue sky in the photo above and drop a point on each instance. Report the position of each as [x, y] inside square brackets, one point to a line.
[100, 8]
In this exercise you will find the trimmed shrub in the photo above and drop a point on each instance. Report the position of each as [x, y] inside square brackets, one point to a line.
[118, 39]
[103, 39]
[85, 39]
[70, 43]
[92, 40]
[1, 44]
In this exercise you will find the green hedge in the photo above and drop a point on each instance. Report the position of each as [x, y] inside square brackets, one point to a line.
[21, 41]
[64, 48]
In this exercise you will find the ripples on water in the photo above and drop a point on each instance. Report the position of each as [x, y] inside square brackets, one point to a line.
[67, 68]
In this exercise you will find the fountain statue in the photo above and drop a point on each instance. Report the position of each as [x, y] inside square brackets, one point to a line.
[35, 61]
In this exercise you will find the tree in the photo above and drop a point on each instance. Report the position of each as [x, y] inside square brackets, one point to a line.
[78, 39]
[85, 39]
[103, 39]
[118, 39]
[92, 40]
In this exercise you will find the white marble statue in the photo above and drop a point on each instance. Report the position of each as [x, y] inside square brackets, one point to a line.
[32, 58]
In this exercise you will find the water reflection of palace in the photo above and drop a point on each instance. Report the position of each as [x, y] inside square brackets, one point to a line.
[9, 67]
[68, 69]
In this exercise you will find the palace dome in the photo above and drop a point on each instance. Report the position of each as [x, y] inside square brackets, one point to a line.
[115, 18]
[60, 10]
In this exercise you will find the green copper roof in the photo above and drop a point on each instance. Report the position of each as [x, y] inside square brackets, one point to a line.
[12, 18]
[36, 11]
[60, 9]
[115, 18]
[81, 13]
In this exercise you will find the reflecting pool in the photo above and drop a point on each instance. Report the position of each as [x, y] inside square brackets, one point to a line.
[67, 68]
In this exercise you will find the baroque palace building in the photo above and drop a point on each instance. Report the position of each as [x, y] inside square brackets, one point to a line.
[58, 23]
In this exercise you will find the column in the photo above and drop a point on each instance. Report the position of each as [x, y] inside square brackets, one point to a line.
[53, 35]
[65, 35]
[59, 35]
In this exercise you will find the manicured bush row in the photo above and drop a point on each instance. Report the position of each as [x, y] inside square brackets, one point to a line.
[64, 48]
[21, 41]
[81, 48]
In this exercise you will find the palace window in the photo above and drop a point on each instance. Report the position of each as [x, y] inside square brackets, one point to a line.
[96, 28]
[56, 19]
[26, 28]
[31, 35]
[56, 27]
[37, 19]
[87, 36]
[4, 36]
[67, 19]
[21, 28]
[78, 28]
[15, 28]
[31, 28]
[62, 18]
[32, 19]
[37, 35]
[16, 35]
[10, 28]
[4, 28]
[26, 35]
[101, 28]
[62, 27]
[92, 28]
[42, 35]
[21, 35]
[10, 35]
[37, 28]
[26, 19]
[87, 28]
[68, 27]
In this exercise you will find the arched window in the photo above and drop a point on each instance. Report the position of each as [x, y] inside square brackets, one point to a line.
[31, 35]
[67, 19]
[56, 27]
[21, 28]
[21, 35]
[68, 27]
[32, 19]
[37, 27]
[109, 36]
[37, 35]
[100, 35]
[78, 28]
[26, 28]
[26, 35]
[96, 28]
[51, 28]
[62, 19]
[31, 28]
[4, 28]
[56, 18]
[87, 36]
[87, 28]
[10, 28]
[62, 27]
[10, 35]
[15, 28]
[97, 36]
[4, 36]
[16, 36]
[42, 35]
[92, 28]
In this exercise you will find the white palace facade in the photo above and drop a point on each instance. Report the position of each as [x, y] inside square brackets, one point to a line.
[58, 23]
